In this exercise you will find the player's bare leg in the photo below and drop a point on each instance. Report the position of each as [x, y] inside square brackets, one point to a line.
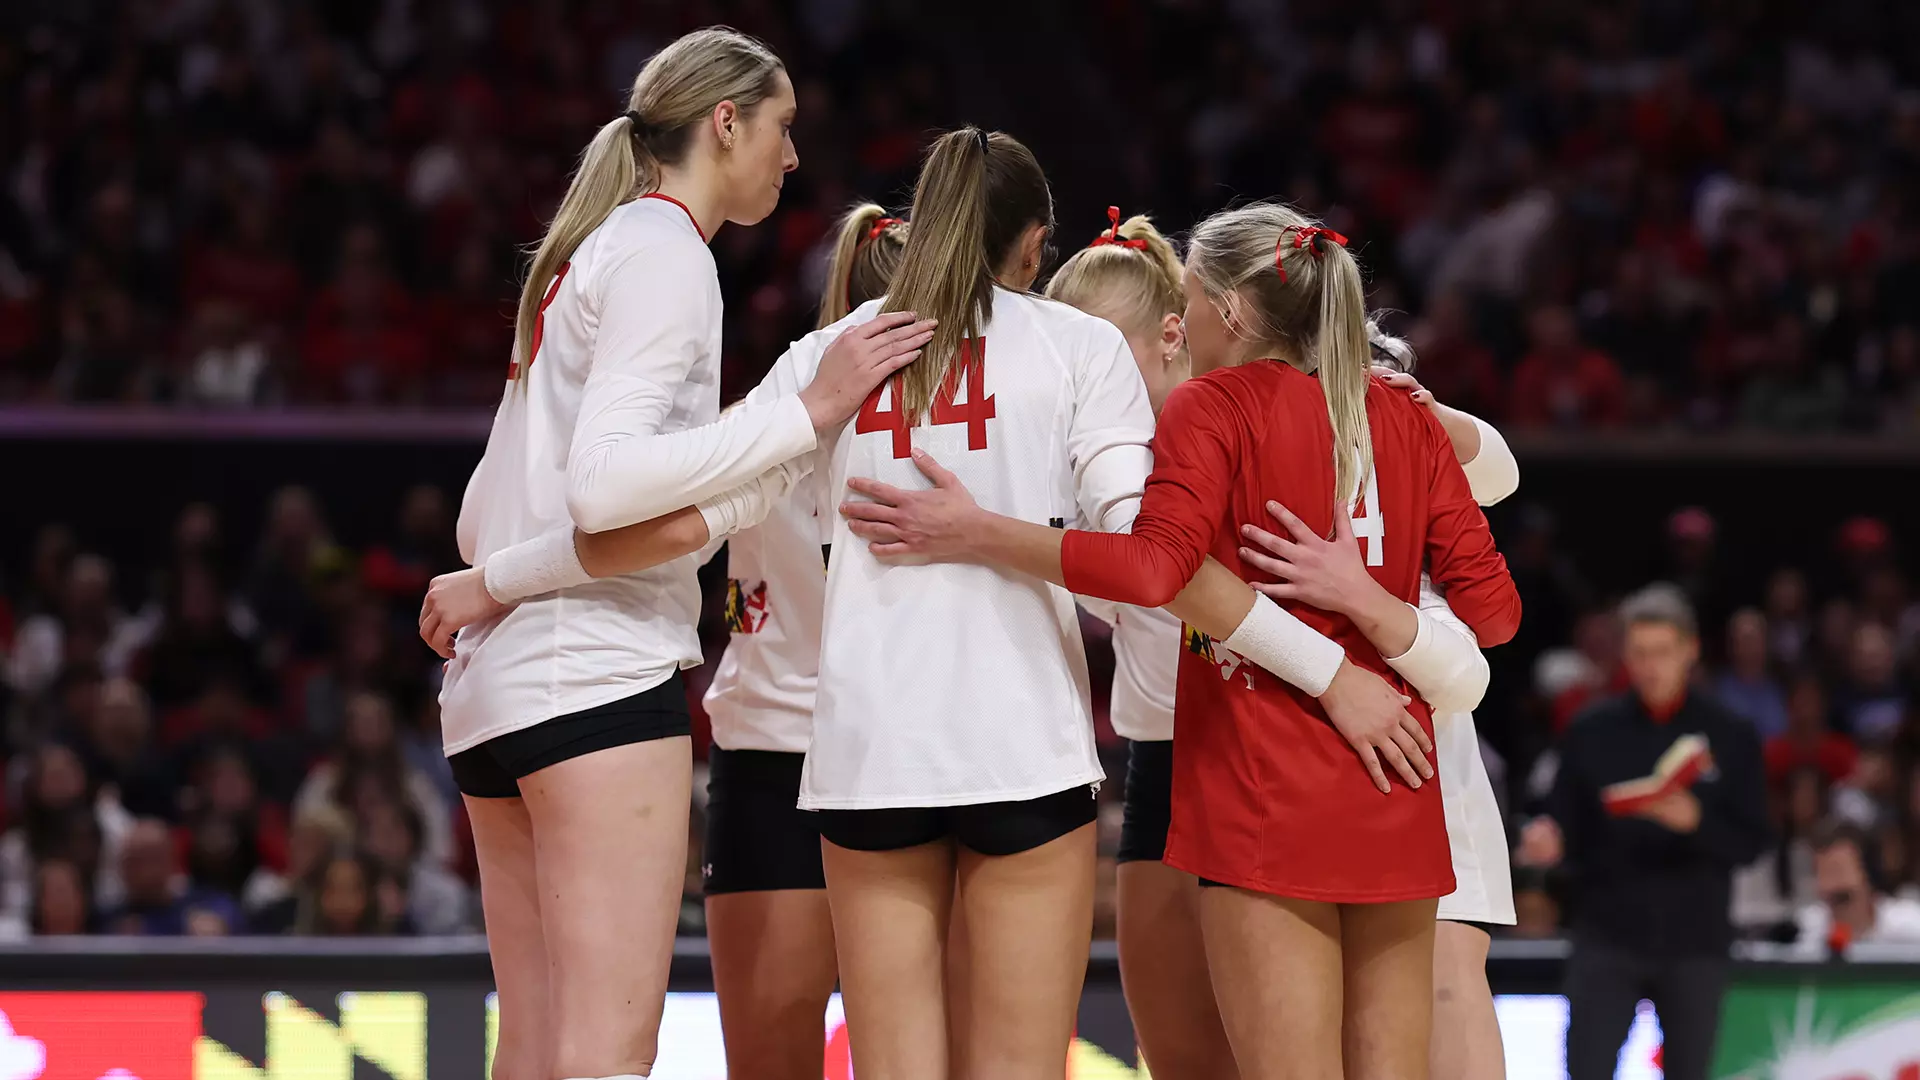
[890, 912]
[510, 900]
[610, 842]
[1029, 921]
[1388, 957]
[1275, 965]
[1466, 1030]
[774, 969]
[1163, 970]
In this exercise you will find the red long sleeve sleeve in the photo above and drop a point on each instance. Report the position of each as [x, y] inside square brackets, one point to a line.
[1461, 556]
[1186, 499]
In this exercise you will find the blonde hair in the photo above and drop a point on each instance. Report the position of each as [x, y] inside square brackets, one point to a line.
[1281, 283]
[977, 194]
[1130, 276]
[677, 89]
[866, 253]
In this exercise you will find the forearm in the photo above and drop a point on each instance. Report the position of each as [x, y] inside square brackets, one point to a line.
[1021, 546]
[1461, 431]
[1387, 622]
[1223, 607]
[641, 546]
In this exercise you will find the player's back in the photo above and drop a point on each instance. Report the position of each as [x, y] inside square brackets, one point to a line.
[948, 684]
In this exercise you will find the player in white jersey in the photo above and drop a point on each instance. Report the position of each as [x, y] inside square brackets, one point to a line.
[1466, 1031]
[564, 719]
[769, 928]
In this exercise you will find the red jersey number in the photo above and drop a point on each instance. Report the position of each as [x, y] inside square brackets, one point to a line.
[970, 364]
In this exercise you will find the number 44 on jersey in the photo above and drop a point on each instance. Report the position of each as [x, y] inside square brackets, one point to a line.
[969, 365]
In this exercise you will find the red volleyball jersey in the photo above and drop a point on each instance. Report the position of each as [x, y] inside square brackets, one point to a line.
[1267, 795]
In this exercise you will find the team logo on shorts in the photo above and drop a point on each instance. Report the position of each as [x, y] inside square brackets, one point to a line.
[1197, 643]
[746, 609]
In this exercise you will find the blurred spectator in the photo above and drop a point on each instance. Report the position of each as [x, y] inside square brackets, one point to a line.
[1769, 892]
[1853, 906]
[60, 903]
[423, 548]
[293, 547]
[1789, 618]
[1562, 383]
[118, 748]
[1653, 882]
[227, 360]
[343, 899]
[195, 640]
[159, 902]
[62, 817]
[437, 903]
[1871, 703]
[368, 769]
[1809, 741]
[86, 626]
[1793, 392]
[272, 900]
[1746, 687]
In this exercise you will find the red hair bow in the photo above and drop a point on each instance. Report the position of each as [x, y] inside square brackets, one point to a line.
[881, 225]
[1112, 234]
[1303, 237]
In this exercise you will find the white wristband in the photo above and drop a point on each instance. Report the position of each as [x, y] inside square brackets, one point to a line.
[540, 565]
[749, 504]
[1274, 638]
[1445, 666]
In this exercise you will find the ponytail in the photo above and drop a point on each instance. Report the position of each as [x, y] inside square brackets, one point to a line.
[1291, 285]
[677, 89]
[866, 254]
[976, 195]
[1130, 276]
[1345, 354]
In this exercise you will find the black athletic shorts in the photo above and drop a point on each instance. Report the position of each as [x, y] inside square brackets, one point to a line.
[1148, 802]
[999, 828]
[493, 769]
[758, 838]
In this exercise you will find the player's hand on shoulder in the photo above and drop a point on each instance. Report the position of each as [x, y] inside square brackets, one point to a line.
[859, 360]
[454, 601]
[1372, 716]
[1400, 380]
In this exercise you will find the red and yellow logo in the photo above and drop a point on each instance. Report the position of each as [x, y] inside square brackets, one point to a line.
[746, 608]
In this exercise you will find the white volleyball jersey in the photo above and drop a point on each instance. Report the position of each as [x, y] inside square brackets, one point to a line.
[761, 697]
[951, 684]
[613, 423]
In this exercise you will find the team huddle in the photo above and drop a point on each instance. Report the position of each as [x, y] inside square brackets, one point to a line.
[1221, 456]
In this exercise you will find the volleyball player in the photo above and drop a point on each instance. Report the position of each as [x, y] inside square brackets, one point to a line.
[1329, 884]
[1466, 1030]
[565, 720]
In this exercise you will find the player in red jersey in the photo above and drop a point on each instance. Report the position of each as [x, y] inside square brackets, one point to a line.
[1329, 880]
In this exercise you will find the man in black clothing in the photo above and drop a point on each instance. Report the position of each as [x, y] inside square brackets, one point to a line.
[1650, 877]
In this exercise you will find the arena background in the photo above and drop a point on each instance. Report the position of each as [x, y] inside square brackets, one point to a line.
[257, 261]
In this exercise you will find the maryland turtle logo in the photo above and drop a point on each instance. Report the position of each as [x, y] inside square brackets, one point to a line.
[1222, 658]
[746, 611]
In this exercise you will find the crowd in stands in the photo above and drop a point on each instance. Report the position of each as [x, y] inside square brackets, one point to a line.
[245, 739]
[1693, 213]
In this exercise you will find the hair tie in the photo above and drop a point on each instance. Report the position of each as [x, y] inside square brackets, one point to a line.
[641, 129]
[1304, 236]
[879, 226]
[1111, 235]
[980, 136]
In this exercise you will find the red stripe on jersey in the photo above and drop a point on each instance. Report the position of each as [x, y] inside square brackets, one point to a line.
[682, 206]
[540, 322]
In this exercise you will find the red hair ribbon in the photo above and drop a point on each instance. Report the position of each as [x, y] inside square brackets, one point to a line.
[881, 225]
[1112, 234]
[1303, 237]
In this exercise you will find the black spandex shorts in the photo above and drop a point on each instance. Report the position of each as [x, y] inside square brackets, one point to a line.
[758, 839]
[1148, 803]
[493, 769]
[1000, 828]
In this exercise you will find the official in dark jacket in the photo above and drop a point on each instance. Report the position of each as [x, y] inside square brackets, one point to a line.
[1650, 862]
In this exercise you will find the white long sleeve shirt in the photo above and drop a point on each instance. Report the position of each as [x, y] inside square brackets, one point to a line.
[615, 421]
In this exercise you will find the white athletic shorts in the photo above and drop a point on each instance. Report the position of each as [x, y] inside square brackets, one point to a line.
[1483, 890]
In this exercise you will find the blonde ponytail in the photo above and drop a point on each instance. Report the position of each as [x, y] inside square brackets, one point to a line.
[866, 252]
[976, 195]
[1130, 276]
[1290, 285]
[679, 87]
